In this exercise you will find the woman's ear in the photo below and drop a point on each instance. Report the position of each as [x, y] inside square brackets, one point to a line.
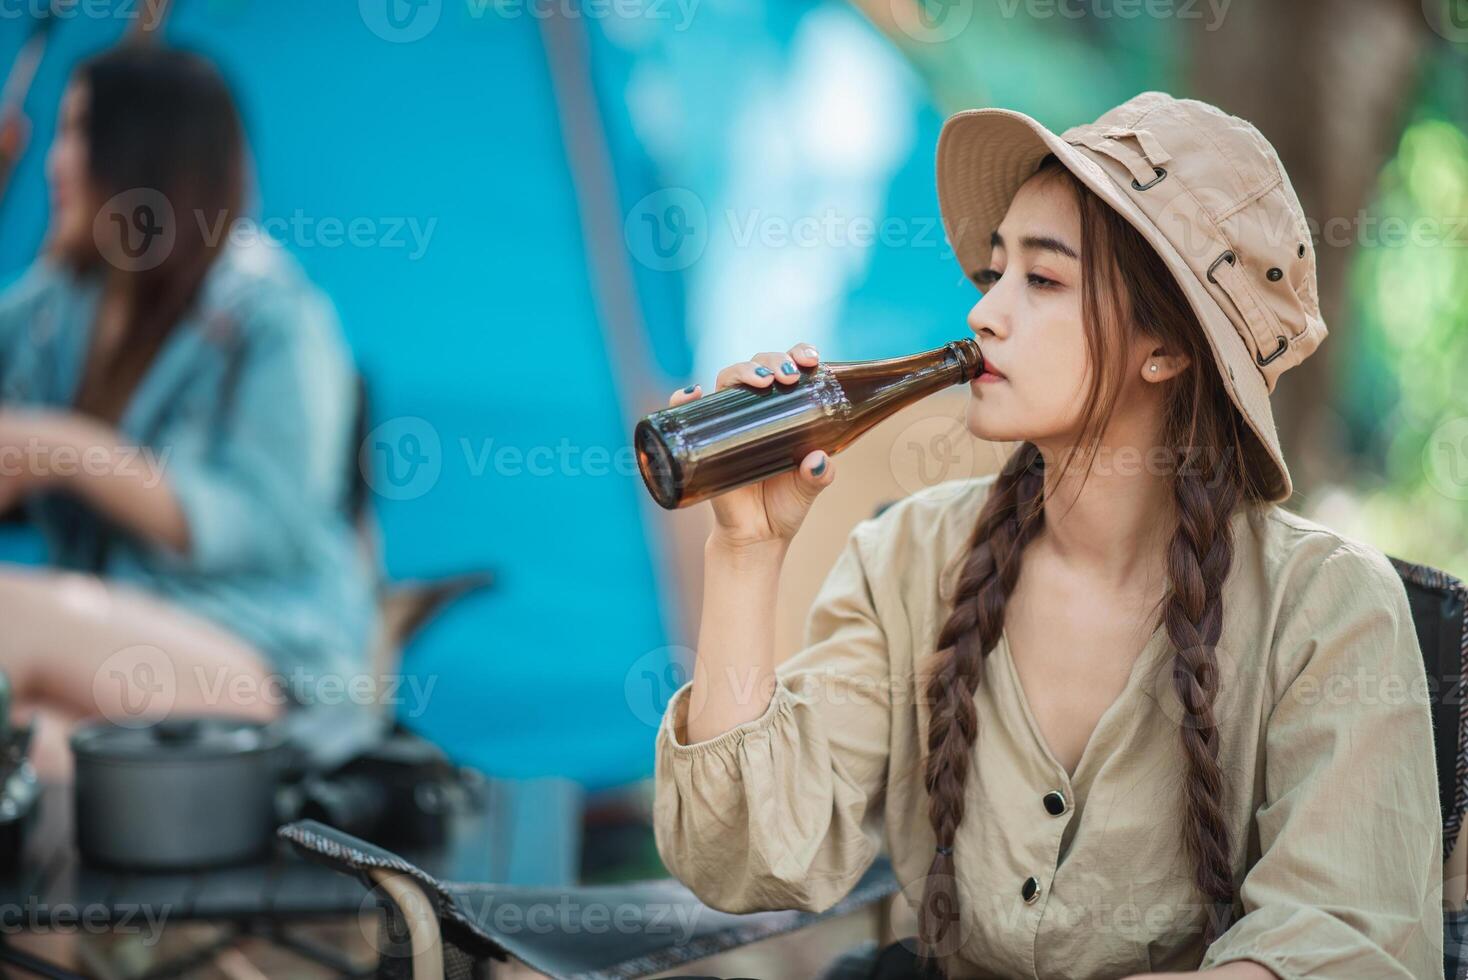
[1161, 365]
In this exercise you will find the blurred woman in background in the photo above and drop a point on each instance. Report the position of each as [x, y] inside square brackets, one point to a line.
[176, 414]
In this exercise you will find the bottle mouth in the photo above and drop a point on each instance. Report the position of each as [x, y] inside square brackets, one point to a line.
[660, 471]
[970, 357]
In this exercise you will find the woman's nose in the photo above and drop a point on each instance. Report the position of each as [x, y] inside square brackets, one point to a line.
[986, 320]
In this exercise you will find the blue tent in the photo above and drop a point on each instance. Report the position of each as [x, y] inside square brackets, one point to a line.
[466, 296]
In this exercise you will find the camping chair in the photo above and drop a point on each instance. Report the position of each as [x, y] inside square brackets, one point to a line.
[438, 929]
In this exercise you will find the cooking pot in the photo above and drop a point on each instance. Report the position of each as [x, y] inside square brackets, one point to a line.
[179, 794]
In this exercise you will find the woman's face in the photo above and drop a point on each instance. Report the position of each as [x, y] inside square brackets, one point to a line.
[72, 206]
[1028, 322]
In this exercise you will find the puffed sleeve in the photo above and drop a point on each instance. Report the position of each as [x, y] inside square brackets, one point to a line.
[255, 489]
[1349, 880]
[782, 812]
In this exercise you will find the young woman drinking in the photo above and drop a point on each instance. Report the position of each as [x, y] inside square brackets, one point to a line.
[1113, 710]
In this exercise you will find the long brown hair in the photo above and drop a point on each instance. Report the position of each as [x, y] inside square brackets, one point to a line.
[159, 122]
[1202, 430]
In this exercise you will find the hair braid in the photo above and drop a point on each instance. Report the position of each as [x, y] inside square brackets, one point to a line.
[1199, 556]
[1012, 515]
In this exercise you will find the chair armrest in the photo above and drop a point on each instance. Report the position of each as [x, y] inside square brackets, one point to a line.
[354, 856]
[629, 929]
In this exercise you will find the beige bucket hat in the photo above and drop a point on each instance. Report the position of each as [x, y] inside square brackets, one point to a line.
[1206, 189]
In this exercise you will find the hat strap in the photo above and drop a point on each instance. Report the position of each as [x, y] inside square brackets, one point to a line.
[1151, 149]
[1142, 165]
[1273, 339]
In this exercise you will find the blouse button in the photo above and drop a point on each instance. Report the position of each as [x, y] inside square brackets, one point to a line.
[1031, 889]
[1054, 803]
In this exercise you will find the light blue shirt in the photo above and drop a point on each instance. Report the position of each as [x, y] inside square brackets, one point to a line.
[249, 409]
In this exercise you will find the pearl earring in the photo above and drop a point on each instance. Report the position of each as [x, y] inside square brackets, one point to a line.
[1152, 368]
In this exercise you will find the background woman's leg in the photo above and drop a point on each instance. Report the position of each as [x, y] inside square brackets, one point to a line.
[76, 647]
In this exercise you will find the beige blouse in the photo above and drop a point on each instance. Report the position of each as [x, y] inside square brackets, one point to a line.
[1326, 738]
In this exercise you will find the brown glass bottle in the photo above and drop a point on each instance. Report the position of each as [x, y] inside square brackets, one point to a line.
[742, 434]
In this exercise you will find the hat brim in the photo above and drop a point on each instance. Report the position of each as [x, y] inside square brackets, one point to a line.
[985, 155]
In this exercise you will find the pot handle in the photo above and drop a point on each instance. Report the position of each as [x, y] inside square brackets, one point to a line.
[176, 731]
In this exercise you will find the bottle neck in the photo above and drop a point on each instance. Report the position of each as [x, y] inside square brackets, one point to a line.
[970, 360]
[884, 385]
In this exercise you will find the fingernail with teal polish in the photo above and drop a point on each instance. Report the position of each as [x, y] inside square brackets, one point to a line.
[689, 389]
[762, 371]
[819, 468]
[787, 368]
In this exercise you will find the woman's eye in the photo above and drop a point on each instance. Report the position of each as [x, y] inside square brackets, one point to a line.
[985, 278]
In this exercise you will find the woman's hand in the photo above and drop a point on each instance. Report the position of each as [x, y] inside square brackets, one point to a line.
[771, 511]
[28, 442]
[68, 451]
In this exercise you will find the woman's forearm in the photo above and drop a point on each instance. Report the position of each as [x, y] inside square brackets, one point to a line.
[125, 483]
[734, 671]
